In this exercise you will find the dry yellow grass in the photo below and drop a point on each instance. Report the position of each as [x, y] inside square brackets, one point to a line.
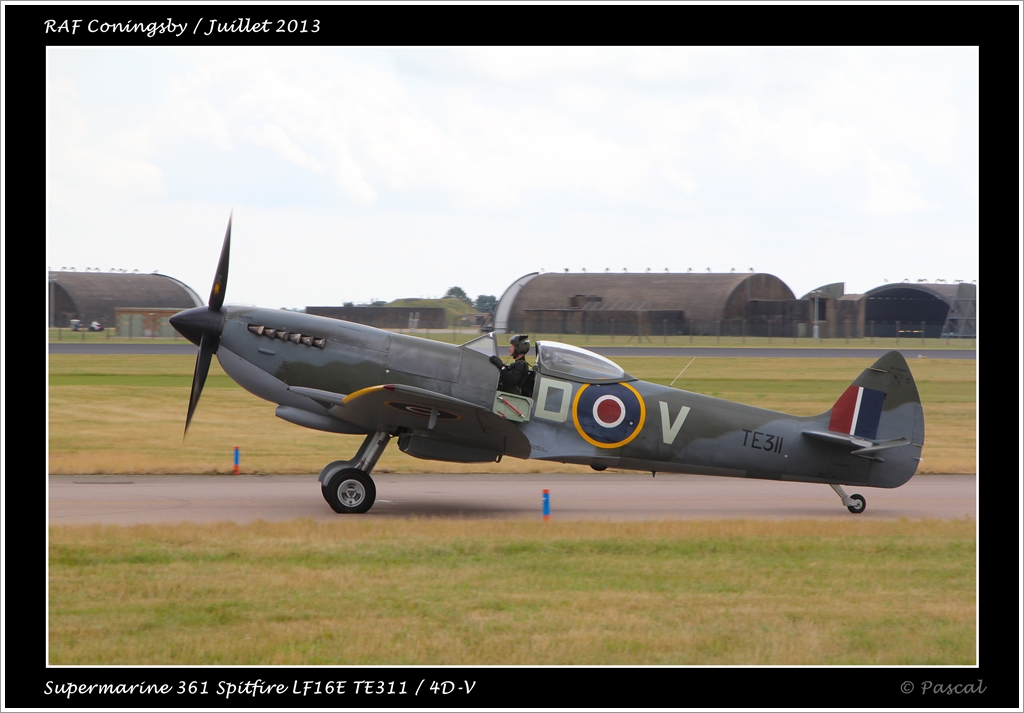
[125, 414]
[462, 592]
[498, 592]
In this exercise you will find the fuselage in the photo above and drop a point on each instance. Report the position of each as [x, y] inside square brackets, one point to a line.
[352, 357]
[614, 421]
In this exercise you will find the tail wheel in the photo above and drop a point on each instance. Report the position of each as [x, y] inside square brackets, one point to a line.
[350, 491]
[859, 503]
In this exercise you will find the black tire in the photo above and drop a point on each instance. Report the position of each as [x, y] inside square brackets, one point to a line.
[325, 476]
[859, 504]
[350, 491]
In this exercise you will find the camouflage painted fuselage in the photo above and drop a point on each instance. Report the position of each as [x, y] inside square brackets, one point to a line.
[329, 374]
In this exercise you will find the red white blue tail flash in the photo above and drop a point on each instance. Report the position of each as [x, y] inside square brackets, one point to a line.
[857, 412]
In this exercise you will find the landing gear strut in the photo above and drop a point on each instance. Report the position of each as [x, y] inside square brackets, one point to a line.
[346, 484]
[854, 503]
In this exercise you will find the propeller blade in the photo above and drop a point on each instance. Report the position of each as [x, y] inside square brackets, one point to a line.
[207, 346]
[220, 280]
[203, 325]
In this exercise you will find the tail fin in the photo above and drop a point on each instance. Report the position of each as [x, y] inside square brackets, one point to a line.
[897, 411]
[880, 416]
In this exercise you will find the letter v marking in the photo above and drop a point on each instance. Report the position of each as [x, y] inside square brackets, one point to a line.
[670, 429]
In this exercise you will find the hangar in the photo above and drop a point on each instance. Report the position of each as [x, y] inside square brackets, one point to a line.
[96, 296]
[387, 317]
[932, 310]
[730, 304]
[904, 309]
[651, 304]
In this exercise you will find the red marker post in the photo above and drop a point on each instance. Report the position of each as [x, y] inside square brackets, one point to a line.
[547, 504]
[236, 460]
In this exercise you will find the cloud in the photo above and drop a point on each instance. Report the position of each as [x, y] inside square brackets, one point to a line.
[891, 188]
[642, 156]
[508, 142]
[83, 168]
[277, 139]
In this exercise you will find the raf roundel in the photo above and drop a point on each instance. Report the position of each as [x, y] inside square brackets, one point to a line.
[608, 415]
[609, 411]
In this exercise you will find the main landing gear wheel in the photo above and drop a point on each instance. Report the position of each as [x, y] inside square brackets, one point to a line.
[859, 503]
[350, 491]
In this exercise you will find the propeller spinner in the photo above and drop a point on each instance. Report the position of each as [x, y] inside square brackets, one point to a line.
[203, 325]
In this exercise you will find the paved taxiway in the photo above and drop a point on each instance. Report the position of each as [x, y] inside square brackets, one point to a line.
[129, 500]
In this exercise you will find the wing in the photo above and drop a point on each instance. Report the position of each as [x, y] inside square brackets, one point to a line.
[390, 407]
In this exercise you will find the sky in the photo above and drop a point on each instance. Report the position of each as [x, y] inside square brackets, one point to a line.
[359, 174]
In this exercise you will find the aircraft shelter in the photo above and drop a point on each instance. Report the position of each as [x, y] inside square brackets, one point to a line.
[97, 296]
[729, 304]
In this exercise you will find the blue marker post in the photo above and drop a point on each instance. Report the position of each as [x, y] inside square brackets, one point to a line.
[547, 504]
[236, 460]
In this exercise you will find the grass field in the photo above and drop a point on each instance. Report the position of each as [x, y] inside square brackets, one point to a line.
[126, 414]
[434, 592]
[490, 592]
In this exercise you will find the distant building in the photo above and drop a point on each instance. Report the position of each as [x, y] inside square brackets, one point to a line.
[97, 296]
[729, 304]
[905, 309]
[651, 304]
[475, 319]
[135, 322]
[387, 317]
[939, 309]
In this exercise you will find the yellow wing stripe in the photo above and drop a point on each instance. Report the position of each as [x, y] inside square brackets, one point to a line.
[356, 394]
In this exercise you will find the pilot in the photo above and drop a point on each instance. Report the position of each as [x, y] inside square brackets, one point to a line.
[514, 375]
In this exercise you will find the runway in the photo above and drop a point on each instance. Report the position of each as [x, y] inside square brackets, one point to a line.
[138, 499]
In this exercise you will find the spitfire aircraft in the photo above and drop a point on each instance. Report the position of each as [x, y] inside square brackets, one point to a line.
[441, 402]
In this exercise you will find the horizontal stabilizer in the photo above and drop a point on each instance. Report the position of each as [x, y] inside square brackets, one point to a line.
[884, 445]
[843, 439]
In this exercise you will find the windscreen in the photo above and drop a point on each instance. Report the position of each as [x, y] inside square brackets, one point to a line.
[576, 363]
[485, 345]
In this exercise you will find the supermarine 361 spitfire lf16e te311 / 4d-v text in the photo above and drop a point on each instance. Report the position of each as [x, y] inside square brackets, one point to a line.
[442, 402]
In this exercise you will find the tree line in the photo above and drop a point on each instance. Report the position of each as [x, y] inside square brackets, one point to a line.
[482, 303]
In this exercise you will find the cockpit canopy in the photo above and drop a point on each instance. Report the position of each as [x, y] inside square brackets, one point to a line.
[577, 364]
[562, 360]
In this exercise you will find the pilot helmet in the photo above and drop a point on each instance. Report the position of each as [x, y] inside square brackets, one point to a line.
[521, 342]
